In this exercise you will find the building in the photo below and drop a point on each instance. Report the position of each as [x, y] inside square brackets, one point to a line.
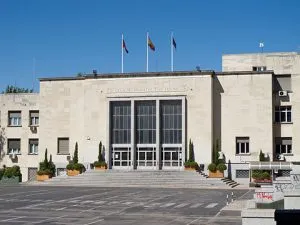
[146, 120]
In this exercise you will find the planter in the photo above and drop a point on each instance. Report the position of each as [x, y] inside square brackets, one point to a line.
[216, 174]
[101, 168]
[73, 172]
[189, 168]
[8, 181]
[267, 181]
[42, 177]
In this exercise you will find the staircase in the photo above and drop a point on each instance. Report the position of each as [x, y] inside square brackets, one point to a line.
[113, 178]
[230, 182]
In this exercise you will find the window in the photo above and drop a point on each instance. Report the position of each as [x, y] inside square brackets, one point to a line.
[242, 145]
[121, 122]
[33, 146]
[146, 122]
[259, 68]
[14, 146]
[283, 145]
[14, 118]
[63, 146]
[171, 121]
[283, 114]
[34, 118]
[242, 173]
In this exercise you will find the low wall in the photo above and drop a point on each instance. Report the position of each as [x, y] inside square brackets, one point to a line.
[258, 216]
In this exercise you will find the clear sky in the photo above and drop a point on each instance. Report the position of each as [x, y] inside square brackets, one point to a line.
[66, 37]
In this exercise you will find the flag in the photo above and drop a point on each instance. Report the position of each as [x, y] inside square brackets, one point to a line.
[124, 46]
[151, 45]
[174, 43]
[261, 45]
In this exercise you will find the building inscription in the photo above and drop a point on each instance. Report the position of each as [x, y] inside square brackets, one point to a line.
[145, 90]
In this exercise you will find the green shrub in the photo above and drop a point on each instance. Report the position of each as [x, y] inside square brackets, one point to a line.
[70, 166]
[221, 167]
[212, 167]
[2, 173]
[261, 174]
[75, 157]
[13, 172]
[79, 167]
[191, 164]
[8, 172]
[100, 164]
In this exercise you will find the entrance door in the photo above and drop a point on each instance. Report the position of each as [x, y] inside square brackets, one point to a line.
[146, 157]
[121, 157]
[171, 157]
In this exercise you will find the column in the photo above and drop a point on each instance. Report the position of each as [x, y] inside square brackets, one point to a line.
[132, 136]
[158, 159]
[183, 131]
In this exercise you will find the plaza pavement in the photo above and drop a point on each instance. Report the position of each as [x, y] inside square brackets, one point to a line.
[118, 206]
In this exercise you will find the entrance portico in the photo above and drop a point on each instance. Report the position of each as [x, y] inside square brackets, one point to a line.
[147, 133]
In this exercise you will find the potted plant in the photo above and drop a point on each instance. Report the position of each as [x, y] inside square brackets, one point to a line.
[47, 168]
[191, 165]
[261, 176]
[100, 164]
[216, 171]
[74, 168]
[11, 175]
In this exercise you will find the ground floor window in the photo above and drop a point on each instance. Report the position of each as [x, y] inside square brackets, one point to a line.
[242, 145]
[242, 173]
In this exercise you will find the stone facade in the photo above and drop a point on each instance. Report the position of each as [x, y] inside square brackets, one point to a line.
[232, 107]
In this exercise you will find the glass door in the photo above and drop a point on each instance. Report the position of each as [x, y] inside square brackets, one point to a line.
[146, 157]
[171, 157]
[121, 157]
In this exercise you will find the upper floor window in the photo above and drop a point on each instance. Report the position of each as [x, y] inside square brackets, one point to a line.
[14, 146]
[14, 118]
[63, 146]
[34, 118]
[242, 145]
[259, 68]
[283, 114]
[33, 146]
[283, 145]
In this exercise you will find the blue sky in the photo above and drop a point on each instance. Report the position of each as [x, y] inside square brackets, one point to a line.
[66, 37]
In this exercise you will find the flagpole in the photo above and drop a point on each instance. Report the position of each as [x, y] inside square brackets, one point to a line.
[147, 51]
[122, 52]
[171, 45]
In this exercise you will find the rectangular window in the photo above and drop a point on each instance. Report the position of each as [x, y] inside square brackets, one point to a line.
[34, 118]
[283, 145]
[242, 145]
[283, 114]
[242, 173]
[171, 121]
[14, 118]
[14, 146]
[146, 122]
[63, 146]
[121, 122]
[259, 68]
[33, 146]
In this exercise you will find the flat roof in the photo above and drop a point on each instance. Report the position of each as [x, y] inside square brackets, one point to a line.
[127, 75]
[264, 53]
[155, 74]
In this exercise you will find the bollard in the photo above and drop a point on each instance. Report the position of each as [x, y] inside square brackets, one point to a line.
[227, 199]
[231, 196]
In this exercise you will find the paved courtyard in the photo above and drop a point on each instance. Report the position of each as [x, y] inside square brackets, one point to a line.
[116, 206]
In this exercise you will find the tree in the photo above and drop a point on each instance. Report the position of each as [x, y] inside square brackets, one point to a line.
[215, 153]
[191, 151]
[75, 158]
[15, 89]
[2, 143]
[46, 163]
[100, 156]
[261, 156]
